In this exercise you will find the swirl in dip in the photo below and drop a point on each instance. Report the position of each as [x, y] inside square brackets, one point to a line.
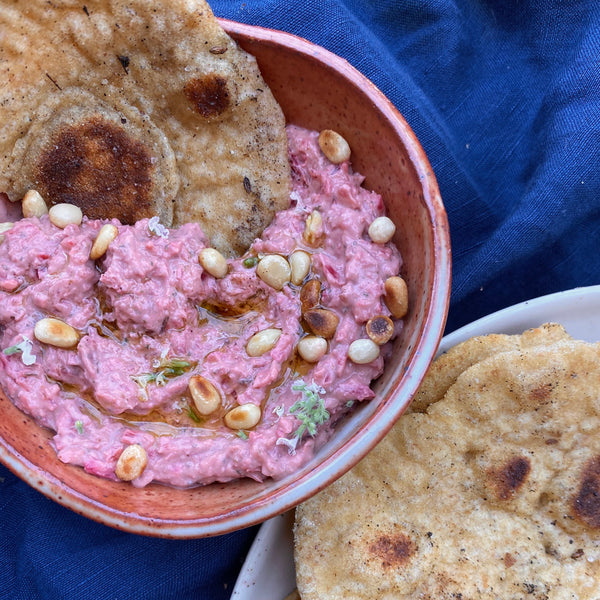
[154, 327]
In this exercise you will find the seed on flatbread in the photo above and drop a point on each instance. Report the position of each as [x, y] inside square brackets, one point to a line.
[135, 109]
[494, 492]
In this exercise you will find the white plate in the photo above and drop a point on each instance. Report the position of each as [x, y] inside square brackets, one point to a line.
[268, 572]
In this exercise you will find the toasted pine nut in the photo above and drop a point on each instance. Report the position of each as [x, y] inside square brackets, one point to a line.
[245, 416]
[274, 270]
[4, 227]
[363, 351]
[131, 463]
[33, 205]
[313, 229]
[396, 296]
[213, 262]
[103, 240]
[311, 348]
[300, 265]
[334, 146]
[321, 322]
[262, 341]
[380, 329]
[55, 333]
[382, 230]
[205, 395]
[310, 294]
[65, 214]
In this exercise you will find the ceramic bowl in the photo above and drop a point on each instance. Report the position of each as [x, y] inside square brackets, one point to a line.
[319, 90]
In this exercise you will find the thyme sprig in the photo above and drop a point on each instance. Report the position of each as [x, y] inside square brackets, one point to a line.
[310, 409]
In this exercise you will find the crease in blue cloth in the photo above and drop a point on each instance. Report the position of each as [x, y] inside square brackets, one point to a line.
[505, 99]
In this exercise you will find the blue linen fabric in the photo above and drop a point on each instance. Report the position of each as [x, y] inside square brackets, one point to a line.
[505, 99]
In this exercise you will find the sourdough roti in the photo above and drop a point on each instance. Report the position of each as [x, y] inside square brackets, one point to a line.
[135, 109]
[444, 371]
[493, 492]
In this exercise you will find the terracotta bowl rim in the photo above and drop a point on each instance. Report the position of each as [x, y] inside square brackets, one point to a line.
[285, 498]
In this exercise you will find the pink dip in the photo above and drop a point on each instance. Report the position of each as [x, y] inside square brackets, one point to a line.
[148, 300]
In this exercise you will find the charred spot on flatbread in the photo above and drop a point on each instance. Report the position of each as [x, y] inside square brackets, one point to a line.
[182, 121]
[586, 503]
[392, 549]
[506, 479]
[101, 169]
[209, 95]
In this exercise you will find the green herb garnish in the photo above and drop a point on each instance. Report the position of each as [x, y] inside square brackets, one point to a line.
[242, 434]
[166, 369]
[23, 348]
[310, 409]
[250, 262]
[79, 426]
[192, 415]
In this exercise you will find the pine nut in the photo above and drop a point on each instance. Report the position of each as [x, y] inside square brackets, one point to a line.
[245, 416]
[65, 214]
[213, 262]
[380, 329]
[396, 296]
[55, 333]
[382, 230]
[311, 348]
[3, 228]
[300, 266]
[205, 395]
[321, 322]
[274, 270]
[262, 342]
[313, 229]
[310, 294]
[363, 351]
[131, 463]
[33, 205]
[103, 240]
[334, 146]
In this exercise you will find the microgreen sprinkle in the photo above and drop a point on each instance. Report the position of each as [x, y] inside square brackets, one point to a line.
[24, 348]
[155, 227]
[79, 427]
[250, 262]
[166, 369]
[193, 416]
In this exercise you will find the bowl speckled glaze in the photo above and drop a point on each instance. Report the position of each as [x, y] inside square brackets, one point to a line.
[318, 90]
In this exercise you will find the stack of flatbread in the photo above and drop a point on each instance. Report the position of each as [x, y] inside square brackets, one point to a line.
[488, 488]
[139, 108]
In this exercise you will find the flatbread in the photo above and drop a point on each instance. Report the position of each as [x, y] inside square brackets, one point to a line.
[446, 368]
[137, 108]
[493, 492]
